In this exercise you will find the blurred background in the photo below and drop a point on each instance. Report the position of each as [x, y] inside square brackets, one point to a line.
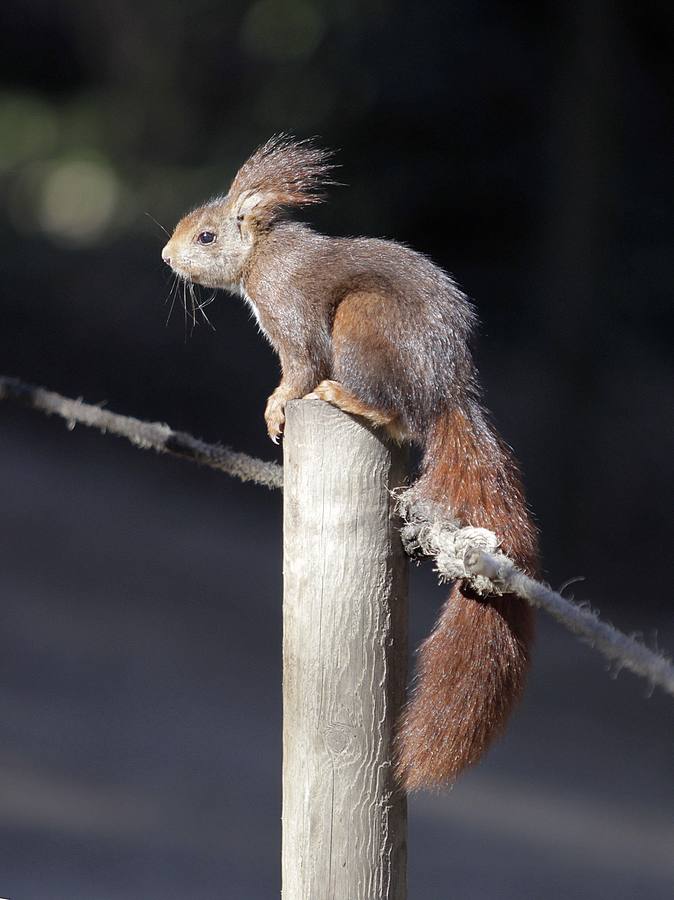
[526, 147]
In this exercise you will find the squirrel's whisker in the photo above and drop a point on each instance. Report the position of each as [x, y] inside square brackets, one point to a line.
[184, 299]
[172, 296]
[172, 284]
[159, 224]
[201, 308]
[193, 301]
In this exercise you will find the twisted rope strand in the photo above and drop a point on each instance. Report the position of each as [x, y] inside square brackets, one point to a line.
[472, 554]
[146, 435]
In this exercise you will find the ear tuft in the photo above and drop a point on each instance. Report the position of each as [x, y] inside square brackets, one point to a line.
[283, 172]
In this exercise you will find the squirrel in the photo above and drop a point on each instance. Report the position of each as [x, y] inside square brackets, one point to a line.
[378, 330]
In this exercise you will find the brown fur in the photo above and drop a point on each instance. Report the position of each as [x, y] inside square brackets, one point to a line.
[473, 666]
[377, 329]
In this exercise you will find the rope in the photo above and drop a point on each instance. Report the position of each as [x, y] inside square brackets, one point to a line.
[146, 435]
[469, 553]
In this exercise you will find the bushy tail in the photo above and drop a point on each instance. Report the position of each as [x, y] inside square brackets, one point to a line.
[473, 666]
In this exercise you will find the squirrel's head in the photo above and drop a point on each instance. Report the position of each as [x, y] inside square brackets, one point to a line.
[214, 244]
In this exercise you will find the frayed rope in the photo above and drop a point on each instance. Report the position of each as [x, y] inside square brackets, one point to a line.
[472, 554]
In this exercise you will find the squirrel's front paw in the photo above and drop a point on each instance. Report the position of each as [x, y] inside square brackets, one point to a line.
[274, 416]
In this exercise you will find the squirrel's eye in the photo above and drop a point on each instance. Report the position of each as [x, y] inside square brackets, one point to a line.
[206, 237]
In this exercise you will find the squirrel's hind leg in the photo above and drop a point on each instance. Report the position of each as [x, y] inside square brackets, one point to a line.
[335, 393]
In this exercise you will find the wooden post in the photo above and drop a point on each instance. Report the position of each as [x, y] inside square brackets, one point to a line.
[344, 659]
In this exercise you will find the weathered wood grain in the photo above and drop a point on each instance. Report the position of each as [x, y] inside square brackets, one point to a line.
[344, 659]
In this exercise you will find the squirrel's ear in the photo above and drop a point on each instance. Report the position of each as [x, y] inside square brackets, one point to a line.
[282, 173]
[256, 203]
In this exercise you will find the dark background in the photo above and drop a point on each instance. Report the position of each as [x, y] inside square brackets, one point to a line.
[527, 149]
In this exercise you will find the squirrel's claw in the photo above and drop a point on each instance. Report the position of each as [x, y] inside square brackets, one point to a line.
[274, 416]
[275, 433]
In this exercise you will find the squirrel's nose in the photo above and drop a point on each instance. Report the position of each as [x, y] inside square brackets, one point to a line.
[165, 256]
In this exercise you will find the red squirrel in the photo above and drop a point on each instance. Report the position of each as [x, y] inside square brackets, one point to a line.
[381, 332]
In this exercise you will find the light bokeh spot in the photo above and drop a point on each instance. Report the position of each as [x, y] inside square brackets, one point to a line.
[79, 200]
